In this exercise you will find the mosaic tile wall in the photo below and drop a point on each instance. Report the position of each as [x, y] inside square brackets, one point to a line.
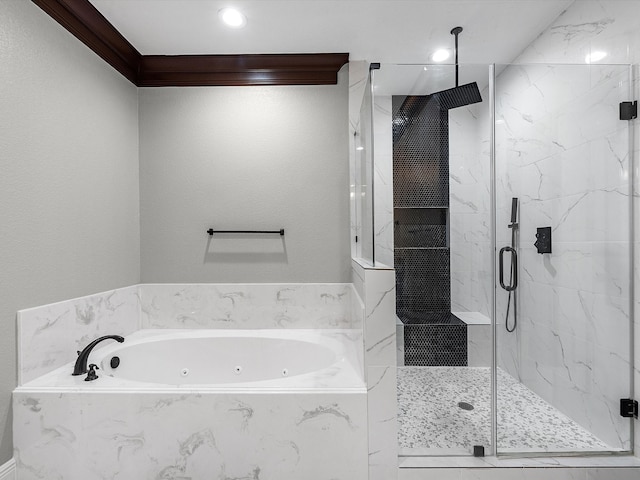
[432, 336]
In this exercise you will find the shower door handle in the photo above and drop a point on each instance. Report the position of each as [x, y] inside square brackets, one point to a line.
[513, 281]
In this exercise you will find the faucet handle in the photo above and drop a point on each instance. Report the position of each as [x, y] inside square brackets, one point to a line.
[92, 375]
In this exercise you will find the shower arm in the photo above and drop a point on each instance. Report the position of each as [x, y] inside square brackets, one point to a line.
[456, 31]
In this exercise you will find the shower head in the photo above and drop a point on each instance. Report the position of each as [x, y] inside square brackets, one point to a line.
[460, 95]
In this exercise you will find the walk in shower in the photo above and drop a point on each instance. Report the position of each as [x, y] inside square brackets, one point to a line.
[509, 225]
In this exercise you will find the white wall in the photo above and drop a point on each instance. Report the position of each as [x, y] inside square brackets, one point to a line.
[69, 181]
[245, 158]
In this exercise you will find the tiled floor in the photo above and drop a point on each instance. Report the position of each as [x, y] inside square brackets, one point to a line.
[431, 421]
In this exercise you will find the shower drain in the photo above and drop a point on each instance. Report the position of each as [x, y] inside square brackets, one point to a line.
[465, 406]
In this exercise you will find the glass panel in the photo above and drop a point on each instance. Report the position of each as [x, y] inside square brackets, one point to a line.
[364, 178]
[563, 333]
[433, 212]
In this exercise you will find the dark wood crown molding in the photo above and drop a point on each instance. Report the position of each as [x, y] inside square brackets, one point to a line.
[87, 24]
[208, 70]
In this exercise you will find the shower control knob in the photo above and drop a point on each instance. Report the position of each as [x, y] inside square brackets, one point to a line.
[543, 242]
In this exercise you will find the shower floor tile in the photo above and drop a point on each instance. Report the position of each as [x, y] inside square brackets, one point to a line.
[434, 416]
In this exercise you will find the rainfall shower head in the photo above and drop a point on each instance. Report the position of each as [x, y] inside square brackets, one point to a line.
[460, 95]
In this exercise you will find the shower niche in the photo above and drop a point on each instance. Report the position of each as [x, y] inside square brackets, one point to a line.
[433, 336]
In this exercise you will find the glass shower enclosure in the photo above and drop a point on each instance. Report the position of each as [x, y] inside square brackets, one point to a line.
[509, 223]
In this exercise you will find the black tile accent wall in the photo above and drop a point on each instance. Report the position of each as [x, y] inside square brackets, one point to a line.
[420, 154]
[435, 345]
[423, 280]
[432, 335]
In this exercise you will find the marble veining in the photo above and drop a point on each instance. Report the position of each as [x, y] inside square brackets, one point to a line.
[157, 436]
[248, 306]
[50, 335]
[430, 419]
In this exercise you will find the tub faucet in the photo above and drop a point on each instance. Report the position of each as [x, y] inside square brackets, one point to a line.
[80, 367]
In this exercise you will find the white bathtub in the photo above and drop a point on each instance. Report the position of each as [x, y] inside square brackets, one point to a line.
[234, 358]
[222, 360]
[297, 408]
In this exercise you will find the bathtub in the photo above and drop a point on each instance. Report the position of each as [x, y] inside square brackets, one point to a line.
[198, 404]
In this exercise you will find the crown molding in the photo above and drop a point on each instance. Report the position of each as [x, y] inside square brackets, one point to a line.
[87, 24]
[207, 70]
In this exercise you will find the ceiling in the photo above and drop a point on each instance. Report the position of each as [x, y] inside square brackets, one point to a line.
[395, 31]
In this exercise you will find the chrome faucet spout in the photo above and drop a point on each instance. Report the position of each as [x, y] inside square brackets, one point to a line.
[80, 367]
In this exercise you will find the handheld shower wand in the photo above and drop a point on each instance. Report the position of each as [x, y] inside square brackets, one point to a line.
[513, 271]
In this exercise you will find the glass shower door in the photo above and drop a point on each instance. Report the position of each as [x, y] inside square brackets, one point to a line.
[563, 210]
[432, 180]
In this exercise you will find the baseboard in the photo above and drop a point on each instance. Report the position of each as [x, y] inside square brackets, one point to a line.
[8, 470]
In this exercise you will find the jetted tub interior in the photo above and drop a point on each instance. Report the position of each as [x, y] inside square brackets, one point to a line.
[213, 357]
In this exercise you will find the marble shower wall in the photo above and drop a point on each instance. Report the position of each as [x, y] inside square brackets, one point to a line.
[470, 208]
[50, 335]
[562, 150]
[383, 179]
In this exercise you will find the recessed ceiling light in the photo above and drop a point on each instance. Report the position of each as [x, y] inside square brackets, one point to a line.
[595, 56]
[232, 17]
[440, 55]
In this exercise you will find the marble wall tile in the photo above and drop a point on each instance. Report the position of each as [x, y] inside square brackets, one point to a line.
[469, 211]
[383, 180]
[380, 318]
[479, 345]
[49, 336]
[378, 291]
[85, 436]
[247, 306]
[562, 150]
[383, 427]
[605, 25]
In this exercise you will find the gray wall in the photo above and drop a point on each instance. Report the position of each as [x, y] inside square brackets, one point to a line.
[246, 158]
[69, 177]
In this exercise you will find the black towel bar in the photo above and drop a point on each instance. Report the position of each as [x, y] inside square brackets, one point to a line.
[211, 231]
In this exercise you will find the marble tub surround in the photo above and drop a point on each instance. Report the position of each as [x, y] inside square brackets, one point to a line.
[376, 287]
[124, 436]
[262, 305]
[311, 425]
[50, 335]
